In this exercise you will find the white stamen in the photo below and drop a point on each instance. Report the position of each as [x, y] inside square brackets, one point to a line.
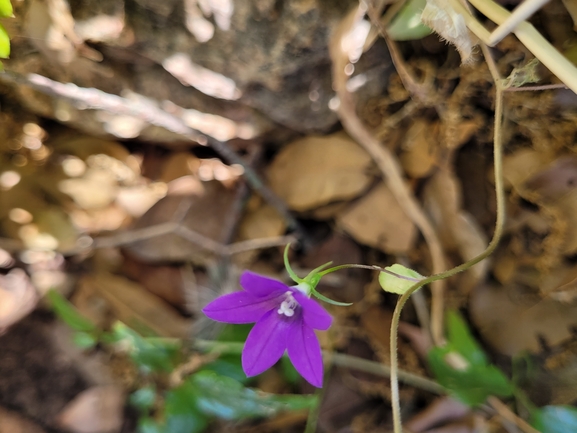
[287, 307]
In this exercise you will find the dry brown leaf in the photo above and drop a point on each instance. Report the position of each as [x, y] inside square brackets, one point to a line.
[522, 164]
[18, 297]
[512, 325]
[378, 220]
[206, 213]
[262, 222]
[315, 171]
[96, 410]
[555, 190]
[457, 229]
[11, 422]
[419, 149]
[131, 304]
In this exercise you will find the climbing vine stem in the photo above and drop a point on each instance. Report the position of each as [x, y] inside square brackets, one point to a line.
[498, 168]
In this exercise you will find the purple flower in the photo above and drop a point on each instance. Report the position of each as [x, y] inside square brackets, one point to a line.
[285, 319]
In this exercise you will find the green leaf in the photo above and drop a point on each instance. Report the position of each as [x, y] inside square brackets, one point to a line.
[555, 419]
[229, 366]
[407, 24]
[69, 314]
[181, 411]
[228, 399]
[471, 385]
[6, 8]
[289, 371]
[238, 333]
[404, 279]
[463, 368]
[4, 43]
[462, 340]
[84, 340]
[143, 399]
[149, 425]
[149, 354]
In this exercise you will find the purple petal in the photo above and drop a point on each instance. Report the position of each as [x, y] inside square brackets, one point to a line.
[304, 352]
[314, 314]
[259, 285]
[240, 307]
[265, 343]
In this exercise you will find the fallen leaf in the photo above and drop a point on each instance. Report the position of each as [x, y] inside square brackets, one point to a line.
[132, 304]
[17, 297]
[315, 171]
[513, 323]
[12, 422]
[97, 410]
[419, 147]
[378, 220]
[457, 229]
[205, 213]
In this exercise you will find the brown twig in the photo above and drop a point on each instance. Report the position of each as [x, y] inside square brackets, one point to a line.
[389, 166]
[506, 413]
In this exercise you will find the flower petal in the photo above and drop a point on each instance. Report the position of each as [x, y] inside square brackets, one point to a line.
[304, 352]
[314, 314]
[240, 307]
[259, 285]
[265, 343]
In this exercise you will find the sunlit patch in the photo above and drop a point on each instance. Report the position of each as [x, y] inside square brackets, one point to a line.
[208, 82]
[36, 240]
[219, 127]
[6, 259]
[9, 179]
[20, 216]
[214, 168]
[73, 166]
[356, 83]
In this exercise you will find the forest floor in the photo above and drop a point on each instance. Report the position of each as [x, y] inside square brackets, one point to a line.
[199, 138]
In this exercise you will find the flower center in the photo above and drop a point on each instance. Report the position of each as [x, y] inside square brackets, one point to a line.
[287, 307]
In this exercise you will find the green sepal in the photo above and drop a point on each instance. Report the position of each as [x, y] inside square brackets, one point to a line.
[287, 265]
[330, 301]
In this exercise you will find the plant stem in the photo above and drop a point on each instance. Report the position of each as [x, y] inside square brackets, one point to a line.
[341, 359]
[497, 149]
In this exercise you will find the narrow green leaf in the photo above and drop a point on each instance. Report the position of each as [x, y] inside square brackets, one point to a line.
[228, 399]
[84, 340]
[149, 354]
[4, 43]
[555, 419]
[6, 8]
[69, 314]
[402, 280]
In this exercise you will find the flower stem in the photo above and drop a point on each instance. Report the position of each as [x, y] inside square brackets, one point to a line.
[341, 359]
[498, 163]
